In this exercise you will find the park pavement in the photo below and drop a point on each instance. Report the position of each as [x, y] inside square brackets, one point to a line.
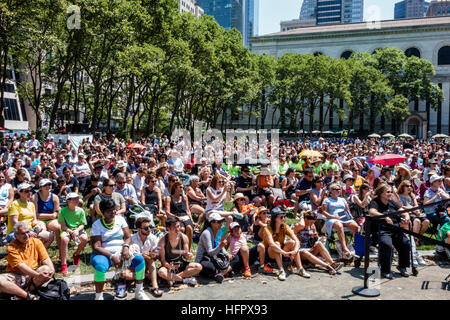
[430, 284]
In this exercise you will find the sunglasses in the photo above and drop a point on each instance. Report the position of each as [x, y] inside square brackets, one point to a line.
[282, 217]
[153, 181]
[146, 228]
[110, 185]
[121, 182]
[27, 191]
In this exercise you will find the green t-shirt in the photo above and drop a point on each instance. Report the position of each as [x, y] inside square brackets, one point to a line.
[73, 219]
[282, 168]
[442, 233]
[332, 165]
[230, 169]
[297, 166]
[317, 169]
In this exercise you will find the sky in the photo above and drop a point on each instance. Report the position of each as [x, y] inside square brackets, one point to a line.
[273, 11]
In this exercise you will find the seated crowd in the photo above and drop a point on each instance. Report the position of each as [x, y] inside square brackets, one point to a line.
[234, 215]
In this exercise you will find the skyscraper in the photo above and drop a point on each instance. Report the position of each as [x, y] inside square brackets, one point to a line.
[251, 20]
[439, 8]
[228, 13]
[329, 12]
[410, 9]
[352, 11]
[308, 10]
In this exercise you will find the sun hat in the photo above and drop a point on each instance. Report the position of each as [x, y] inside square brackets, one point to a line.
[348, 176]
[262, 210]
[121, 164]
[276, 211]
[404, 167]
[238, 195]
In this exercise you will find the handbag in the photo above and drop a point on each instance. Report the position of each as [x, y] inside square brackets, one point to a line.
[220, 261]
[56, 289]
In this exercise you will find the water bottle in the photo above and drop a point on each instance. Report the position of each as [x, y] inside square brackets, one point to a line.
[77, 240]
[121, 291]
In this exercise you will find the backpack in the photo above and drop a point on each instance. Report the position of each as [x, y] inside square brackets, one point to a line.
[56, 289]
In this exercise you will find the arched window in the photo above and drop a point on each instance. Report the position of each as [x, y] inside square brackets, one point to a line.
[318, 53]
[346, 54]
[444, 56]
[412, 52]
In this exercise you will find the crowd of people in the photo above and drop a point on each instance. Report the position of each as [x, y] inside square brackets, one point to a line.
[52, 193]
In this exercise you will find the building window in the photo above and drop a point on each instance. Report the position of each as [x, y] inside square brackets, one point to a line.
[346, 54]
[444, 56]
[9, 87]
[412, 52]
[11, 110]
[318, 53]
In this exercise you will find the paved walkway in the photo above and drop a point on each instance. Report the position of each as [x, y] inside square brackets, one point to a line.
[426, 286]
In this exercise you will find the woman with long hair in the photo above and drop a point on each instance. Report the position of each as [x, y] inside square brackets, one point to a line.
[277, 247]
[151, 194]
[196, 198]
[288, 183]
[177, 206]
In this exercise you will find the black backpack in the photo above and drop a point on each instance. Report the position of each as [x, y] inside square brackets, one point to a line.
[56, 289]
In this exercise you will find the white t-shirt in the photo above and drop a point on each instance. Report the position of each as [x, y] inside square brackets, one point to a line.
[149, 245]
[112, 239]
[138, 184]
[84, 168]
[4, 193]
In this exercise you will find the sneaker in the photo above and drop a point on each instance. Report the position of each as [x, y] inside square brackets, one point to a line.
[219, 277]
[140, 295]
[403, 272]
[282, 275]
[421, 261]
[389, 275]
[302, 272]
[64, 268]
[190, 281]
[76, 259]
[373, 249]
[266, 268]
[247, 273]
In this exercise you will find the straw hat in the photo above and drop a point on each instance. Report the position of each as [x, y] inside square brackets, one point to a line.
[238, 195]
[262, 209]
[404, 167]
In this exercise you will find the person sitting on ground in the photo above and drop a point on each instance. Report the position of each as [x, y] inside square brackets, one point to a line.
[29, 265]
[73, 221]
[241, 256]
[261, 221]
[147, 244]
[110, 241]
[444, 235]
[264, 184]
[217, 194]
[109, 193]
[242, 210]
[208, 247]
[177, 206]
[24, 210]
[288, 183]
[274, 241]
[89, 194]
[310, 246]
[337, 212]
[173, 248]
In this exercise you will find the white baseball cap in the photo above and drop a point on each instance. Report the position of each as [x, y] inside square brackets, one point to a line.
[435, 177]
[72, 195]
[215, 217]
[43, 182]
[23, 186]
[234, 225]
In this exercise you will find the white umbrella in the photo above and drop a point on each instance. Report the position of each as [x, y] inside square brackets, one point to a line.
[315, 132]
[440, 135]
[405, 135]
[374, 135]
[388, 135]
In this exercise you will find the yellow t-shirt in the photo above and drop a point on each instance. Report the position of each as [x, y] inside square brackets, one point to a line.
[25, 212]
[358, 183]
[280, 237]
